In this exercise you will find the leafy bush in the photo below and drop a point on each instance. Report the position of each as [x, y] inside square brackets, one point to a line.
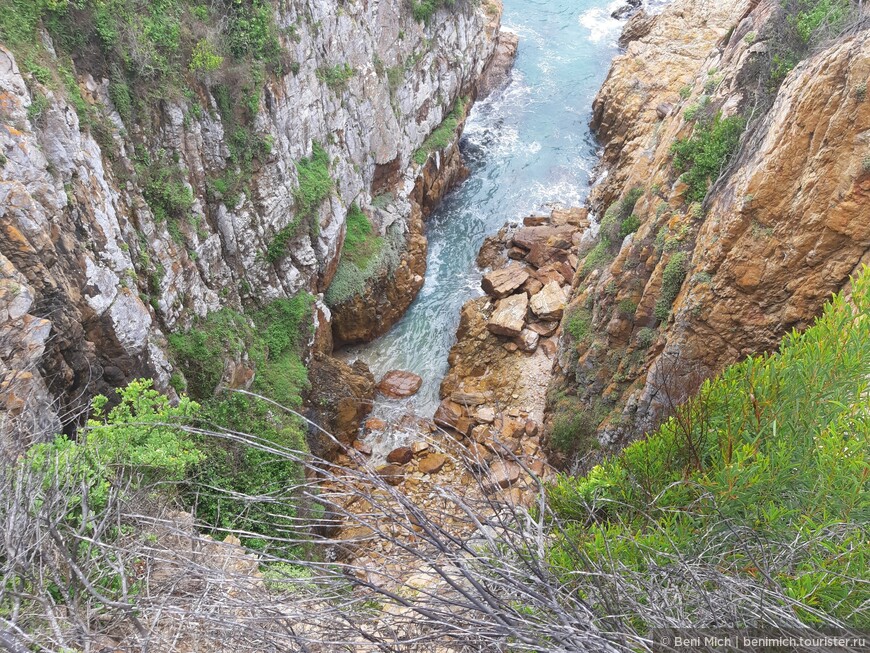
[672, 280]
[627, 308]
[702, 156]
[165, 190]
[360, 244]
[597, 256]
[336, 77]
[251, 31]
[578, 324]
[423, 10]
[646, 337]
[376, 257]
[38, 106]
[135, 436]
[813, 14]
[271, 338]
[629, 226]
[767, 468]
[204, 59]
[443, 134]
[315, 185]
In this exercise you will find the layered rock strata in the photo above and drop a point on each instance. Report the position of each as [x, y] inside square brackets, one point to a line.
[94, 281]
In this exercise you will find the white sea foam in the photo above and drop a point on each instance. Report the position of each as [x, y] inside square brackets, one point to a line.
[601, 25]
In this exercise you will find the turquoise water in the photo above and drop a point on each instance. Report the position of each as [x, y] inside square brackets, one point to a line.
[528, 147]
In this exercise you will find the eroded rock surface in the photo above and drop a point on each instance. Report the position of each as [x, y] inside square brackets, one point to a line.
[700, 285]
[112, 280]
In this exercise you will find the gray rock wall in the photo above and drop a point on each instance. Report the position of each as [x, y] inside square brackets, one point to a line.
[100, 282]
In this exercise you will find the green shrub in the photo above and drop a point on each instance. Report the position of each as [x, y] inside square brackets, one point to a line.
[443, 134]
[423, 10]
[204, 59]
[702, 156]
[137, 436]
[813, 14]
[315, 185]
[165, 190]
[272, 339]
[646, 337]
[375, 257]
[672, 280]
[765, 469]
[336, 77]
[685, 92]
[629, 226]
[38, 106]
[694, 111]
[578, 324]
[627, 308]
[251, 32]
[119, 93]
[597, 256]
[360, 244]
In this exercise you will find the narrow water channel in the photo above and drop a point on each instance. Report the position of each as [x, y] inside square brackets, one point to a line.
[528, 147]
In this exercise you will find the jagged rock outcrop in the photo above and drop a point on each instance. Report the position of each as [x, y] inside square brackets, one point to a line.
[344, 398]
[112, 279]
[695, 286]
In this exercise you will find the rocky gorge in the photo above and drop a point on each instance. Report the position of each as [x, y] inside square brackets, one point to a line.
[86, 312]
[438, 288]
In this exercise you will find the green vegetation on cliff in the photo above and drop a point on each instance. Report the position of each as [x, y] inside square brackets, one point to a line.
[365, 256]
[764, 476]
[315, 185]
[440, 138]
[702, 157]
[267, 342]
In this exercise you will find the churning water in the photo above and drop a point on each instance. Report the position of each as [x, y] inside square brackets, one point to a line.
[528, 147]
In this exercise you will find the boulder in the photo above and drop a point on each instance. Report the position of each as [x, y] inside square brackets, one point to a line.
[479, 453]
[576, 217]
[544, 329]
[419, 447]
[536, 220]
[432, 463]
[509, 315]
[485, 414]
[363, 447]
[504, 473]
[343, 396]
[448, 414]
[555, 237]
[549, 347]
[400, 456]
[375, 424]
[392, 474]
[532, 286]
[527, 340]
[469, 398]
[549, 304]
[504, 282]
[398, 384]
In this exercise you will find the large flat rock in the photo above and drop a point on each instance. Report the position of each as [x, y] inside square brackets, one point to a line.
[504, 282]
[398, 384]
[549, 304]
[509, 315]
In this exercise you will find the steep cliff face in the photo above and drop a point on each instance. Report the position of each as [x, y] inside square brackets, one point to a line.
[690, 273]
[95, 275]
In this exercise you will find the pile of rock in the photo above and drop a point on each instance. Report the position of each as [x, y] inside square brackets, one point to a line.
[532, 290]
